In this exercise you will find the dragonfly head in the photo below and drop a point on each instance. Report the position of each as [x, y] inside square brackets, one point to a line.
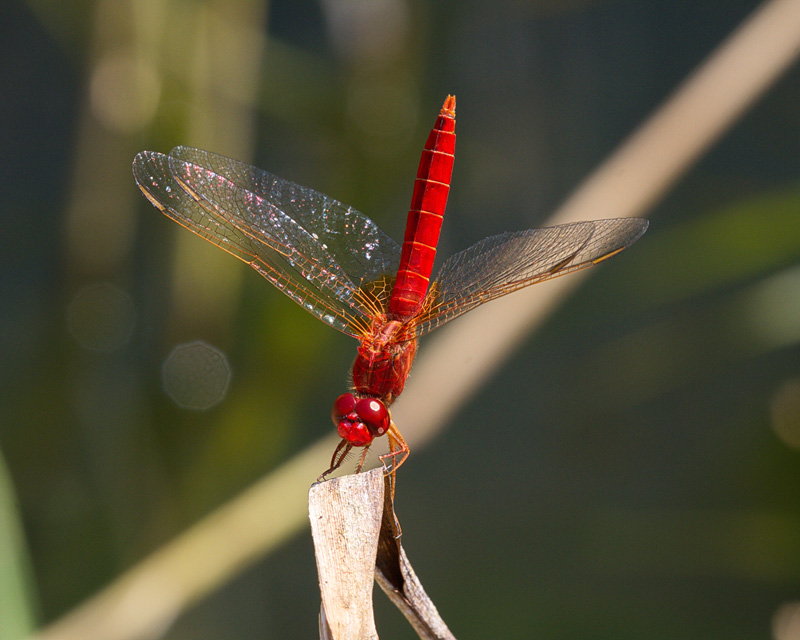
[359, 421]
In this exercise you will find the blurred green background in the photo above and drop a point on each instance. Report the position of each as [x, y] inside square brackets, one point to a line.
[633, 471]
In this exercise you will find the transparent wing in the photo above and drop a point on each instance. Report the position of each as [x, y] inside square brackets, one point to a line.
[321, 253]
[505, 263]
[354, 241]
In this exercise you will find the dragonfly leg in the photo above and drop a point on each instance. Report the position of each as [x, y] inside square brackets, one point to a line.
[362, 458]
[398, 451]
[339, 454]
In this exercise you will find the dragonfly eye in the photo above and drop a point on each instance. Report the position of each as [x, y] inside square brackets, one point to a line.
[374, 414]
[350, 425]
[342, 406]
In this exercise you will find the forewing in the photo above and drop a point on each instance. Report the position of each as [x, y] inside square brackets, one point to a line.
[505, 263]
[259, 233]
[354, 241]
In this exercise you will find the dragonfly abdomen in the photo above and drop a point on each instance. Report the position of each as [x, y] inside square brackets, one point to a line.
[425, 215]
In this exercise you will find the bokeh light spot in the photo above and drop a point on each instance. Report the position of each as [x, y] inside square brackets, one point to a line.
[196, 375]
[368, 30]
[101, 317]
[124, 92]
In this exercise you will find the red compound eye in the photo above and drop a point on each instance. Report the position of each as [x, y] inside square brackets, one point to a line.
[344, 405]
[374, 414]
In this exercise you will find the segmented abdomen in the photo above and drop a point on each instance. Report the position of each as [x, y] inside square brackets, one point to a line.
[425, 215]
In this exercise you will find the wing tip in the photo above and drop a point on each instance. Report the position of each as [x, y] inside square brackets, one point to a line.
[638, 230]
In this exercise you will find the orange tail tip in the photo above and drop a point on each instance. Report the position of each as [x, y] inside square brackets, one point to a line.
[449, 107]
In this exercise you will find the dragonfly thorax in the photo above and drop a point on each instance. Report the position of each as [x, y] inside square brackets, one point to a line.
[383, 362]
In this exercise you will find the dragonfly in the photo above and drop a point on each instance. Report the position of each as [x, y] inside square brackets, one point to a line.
[342, 268]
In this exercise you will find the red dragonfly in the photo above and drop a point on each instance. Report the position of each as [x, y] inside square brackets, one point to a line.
[338, 264]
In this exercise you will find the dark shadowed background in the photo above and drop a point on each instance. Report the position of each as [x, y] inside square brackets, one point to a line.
[632, 472]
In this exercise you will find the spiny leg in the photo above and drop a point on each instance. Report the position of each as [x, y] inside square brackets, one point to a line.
[398, 450]
[339, 454]
[361, 459]
[397, 447]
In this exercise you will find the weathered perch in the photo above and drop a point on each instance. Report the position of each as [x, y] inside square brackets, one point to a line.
[356, 540]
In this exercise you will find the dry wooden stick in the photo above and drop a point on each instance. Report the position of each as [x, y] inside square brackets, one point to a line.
[345, 516]
[356, 537]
